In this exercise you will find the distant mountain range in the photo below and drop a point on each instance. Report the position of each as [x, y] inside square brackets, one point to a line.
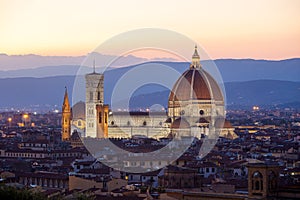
[231, 69]
[13, 62]
[247, 82]
[265, 93]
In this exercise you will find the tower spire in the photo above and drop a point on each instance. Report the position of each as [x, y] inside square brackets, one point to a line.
[66, 117]
[94, 67]
[66, 104]
[195, 59]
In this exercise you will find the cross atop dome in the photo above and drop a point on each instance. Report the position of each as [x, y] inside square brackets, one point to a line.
[195, 59]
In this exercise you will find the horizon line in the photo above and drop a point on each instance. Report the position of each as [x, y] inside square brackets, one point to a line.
[153, 59]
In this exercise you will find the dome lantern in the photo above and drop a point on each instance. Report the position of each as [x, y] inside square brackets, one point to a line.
[195, 60]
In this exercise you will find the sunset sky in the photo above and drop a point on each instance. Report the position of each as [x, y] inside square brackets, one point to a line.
[226, 29]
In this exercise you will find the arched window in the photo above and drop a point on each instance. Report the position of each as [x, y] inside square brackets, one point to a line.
[257, 175]
[98, 96]
[257, 181]
[91, 96]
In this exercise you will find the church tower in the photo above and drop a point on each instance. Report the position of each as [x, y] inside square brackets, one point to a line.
[262, 180]
[96, 111]
[66, 118]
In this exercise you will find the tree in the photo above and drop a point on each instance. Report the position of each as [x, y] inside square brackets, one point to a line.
[12, 193]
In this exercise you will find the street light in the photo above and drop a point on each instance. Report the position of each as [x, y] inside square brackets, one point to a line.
[25, 116]
[9, 121]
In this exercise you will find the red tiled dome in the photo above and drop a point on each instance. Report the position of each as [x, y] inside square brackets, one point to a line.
[195, 84]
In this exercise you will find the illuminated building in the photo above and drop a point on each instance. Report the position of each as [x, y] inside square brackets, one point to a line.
[66, 118]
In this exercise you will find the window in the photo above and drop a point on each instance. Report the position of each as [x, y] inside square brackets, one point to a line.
[100, 117]
[91, 96]
[213, 169]
[105, 118]
[257, 180]
[207, 170]
[256, 185]
[98, 96]
[182, 112]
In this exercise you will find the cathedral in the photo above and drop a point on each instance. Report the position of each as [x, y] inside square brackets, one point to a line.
[195, 108]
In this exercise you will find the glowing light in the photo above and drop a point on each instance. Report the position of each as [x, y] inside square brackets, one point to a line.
[9, 119]
[25, 116]
[255, 108]
[56, 111]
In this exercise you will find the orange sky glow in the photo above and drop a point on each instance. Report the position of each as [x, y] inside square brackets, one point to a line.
[225, 29]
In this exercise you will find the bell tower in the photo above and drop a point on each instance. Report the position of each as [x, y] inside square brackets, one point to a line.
[66, 118]
[95, 108]
[262, 179]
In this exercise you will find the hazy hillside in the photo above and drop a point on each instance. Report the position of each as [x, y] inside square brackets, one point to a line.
[31, 91]
[260, 92]
[50, 90]
[245, 83]
[231, 70]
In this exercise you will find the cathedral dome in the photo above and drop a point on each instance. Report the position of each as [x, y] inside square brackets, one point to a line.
[195, 84]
